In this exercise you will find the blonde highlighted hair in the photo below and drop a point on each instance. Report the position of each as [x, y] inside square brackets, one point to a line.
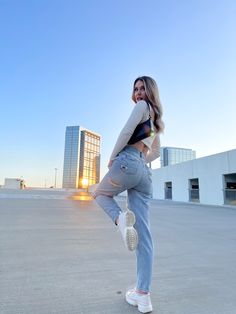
[152, 93]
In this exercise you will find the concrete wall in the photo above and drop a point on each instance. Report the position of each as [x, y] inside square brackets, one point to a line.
[209, 170]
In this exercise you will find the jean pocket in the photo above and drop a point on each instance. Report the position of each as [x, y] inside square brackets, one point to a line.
[129, 164]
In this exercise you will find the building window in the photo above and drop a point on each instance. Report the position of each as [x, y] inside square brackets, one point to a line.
[194, 190]
[229, 189]
[168, 190]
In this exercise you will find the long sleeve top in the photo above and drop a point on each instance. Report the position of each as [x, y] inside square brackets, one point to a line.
[139, 114]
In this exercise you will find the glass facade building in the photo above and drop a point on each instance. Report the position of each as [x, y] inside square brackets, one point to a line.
[175, 155]
[81, 158]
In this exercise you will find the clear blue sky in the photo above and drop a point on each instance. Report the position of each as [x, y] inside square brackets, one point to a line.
[74, 62]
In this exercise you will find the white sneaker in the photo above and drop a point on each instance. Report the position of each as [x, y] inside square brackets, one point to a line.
[129, 234]
[142, 301]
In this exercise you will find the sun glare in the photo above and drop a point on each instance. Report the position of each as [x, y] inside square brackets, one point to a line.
[85, 182]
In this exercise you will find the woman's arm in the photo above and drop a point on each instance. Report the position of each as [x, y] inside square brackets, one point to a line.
[135, 118]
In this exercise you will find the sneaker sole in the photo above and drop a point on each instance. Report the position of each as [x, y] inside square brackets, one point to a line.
[141, 308]
[130, 218]
[145, 309]
[131, 238]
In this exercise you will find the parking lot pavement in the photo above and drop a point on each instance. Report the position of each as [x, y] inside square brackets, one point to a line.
[60, 254]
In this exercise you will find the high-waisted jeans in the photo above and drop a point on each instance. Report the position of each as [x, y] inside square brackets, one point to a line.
[130, 172]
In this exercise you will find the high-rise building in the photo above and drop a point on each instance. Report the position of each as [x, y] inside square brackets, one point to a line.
[175, 155]
[81, 158]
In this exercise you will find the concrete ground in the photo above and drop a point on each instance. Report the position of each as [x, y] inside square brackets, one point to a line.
[64, 256]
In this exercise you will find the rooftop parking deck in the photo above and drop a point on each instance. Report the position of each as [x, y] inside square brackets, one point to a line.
[61, 254]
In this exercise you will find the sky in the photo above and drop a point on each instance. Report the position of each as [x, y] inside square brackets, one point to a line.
[70, 62]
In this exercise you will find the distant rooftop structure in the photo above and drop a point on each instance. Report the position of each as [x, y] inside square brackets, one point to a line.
[14, 183]
[175, 155]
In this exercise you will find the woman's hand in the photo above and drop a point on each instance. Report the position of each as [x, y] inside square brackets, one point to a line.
[110, 164]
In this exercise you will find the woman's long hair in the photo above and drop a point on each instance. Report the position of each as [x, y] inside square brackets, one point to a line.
[152, 93]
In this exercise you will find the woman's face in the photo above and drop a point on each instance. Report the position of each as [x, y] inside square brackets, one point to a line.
[139, 91]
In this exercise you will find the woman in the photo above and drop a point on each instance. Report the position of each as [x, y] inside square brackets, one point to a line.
[137, 145]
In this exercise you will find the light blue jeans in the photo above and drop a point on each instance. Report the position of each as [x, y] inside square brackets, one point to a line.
[130, 172]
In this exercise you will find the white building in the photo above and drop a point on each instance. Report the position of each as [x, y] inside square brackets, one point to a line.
[208, 180]
[14, 183]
